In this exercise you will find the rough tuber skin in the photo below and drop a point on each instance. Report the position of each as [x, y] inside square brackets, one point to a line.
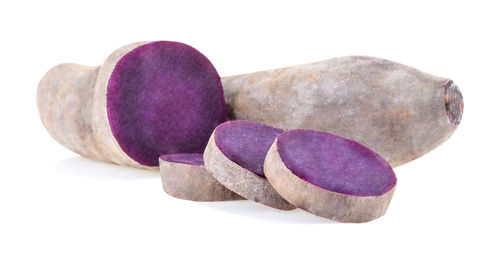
[147, 99]
[184, 177]
[397, 111]
[239, 166]
[64, 100]
[330, 176]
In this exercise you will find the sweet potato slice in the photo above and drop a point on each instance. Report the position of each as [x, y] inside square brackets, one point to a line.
[184, 177]
[330, 176]
[235, 156]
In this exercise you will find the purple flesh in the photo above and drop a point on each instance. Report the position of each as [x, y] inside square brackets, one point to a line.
[334, 163]
[190, 159]
[163, 98]
[246, 143]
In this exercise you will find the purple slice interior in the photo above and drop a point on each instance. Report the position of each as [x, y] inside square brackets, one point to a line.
[334, 163]
[246, 143]
[190, 159]
[164, 98]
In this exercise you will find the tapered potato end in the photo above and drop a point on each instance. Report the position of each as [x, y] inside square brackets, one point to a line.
[454, 103]
[64, 99]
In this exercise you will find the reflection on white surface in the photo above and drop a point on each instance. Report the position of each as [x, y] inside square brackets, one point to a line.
[94, 170]
[84, 167]
[261, 212]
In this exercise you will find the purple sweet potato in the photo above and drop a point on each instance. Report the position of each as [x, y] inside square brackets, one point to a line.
[147, 99]
[184, 177]
[330, 176]
[235, 156]
[395, 110]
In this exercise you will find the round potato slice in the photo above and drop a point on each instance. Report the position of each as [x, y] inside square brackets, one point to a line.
[235, 156]
[330, 176]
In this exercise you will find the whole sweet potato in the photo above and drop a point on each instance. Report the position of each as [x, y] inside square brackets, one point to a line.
[395, 110]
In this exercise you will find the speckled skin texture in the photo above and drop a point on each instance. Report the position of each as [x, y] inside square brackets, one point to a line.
[395, 110]
[69, 85]
[184, 177]
[240, 180]
[147, 99]
[334, 163]
[246, 143]
[319, 201]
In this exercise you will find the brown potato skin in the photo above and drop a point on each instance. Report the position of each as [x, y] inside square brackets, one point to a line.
[107, 142]
[332, 205]
[240, 180]
[395, 110]
[193, 182]
[64, 99]
[71, 101]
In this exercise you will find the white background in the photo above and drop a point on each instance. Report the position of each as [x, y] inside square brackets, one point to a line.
[55, 204]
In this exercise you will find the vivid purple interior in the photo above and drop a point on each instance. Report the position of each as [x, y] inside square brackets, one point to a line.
[190, 159]
[334, 163]
[246, 143]
[164, 98]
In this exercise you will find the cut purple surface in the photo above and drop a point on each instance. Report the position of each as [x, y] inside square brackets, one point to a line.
[246, 143]
[190, 159]
[163, 98]
[235, 156]
[334, 163]
[330, 176]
